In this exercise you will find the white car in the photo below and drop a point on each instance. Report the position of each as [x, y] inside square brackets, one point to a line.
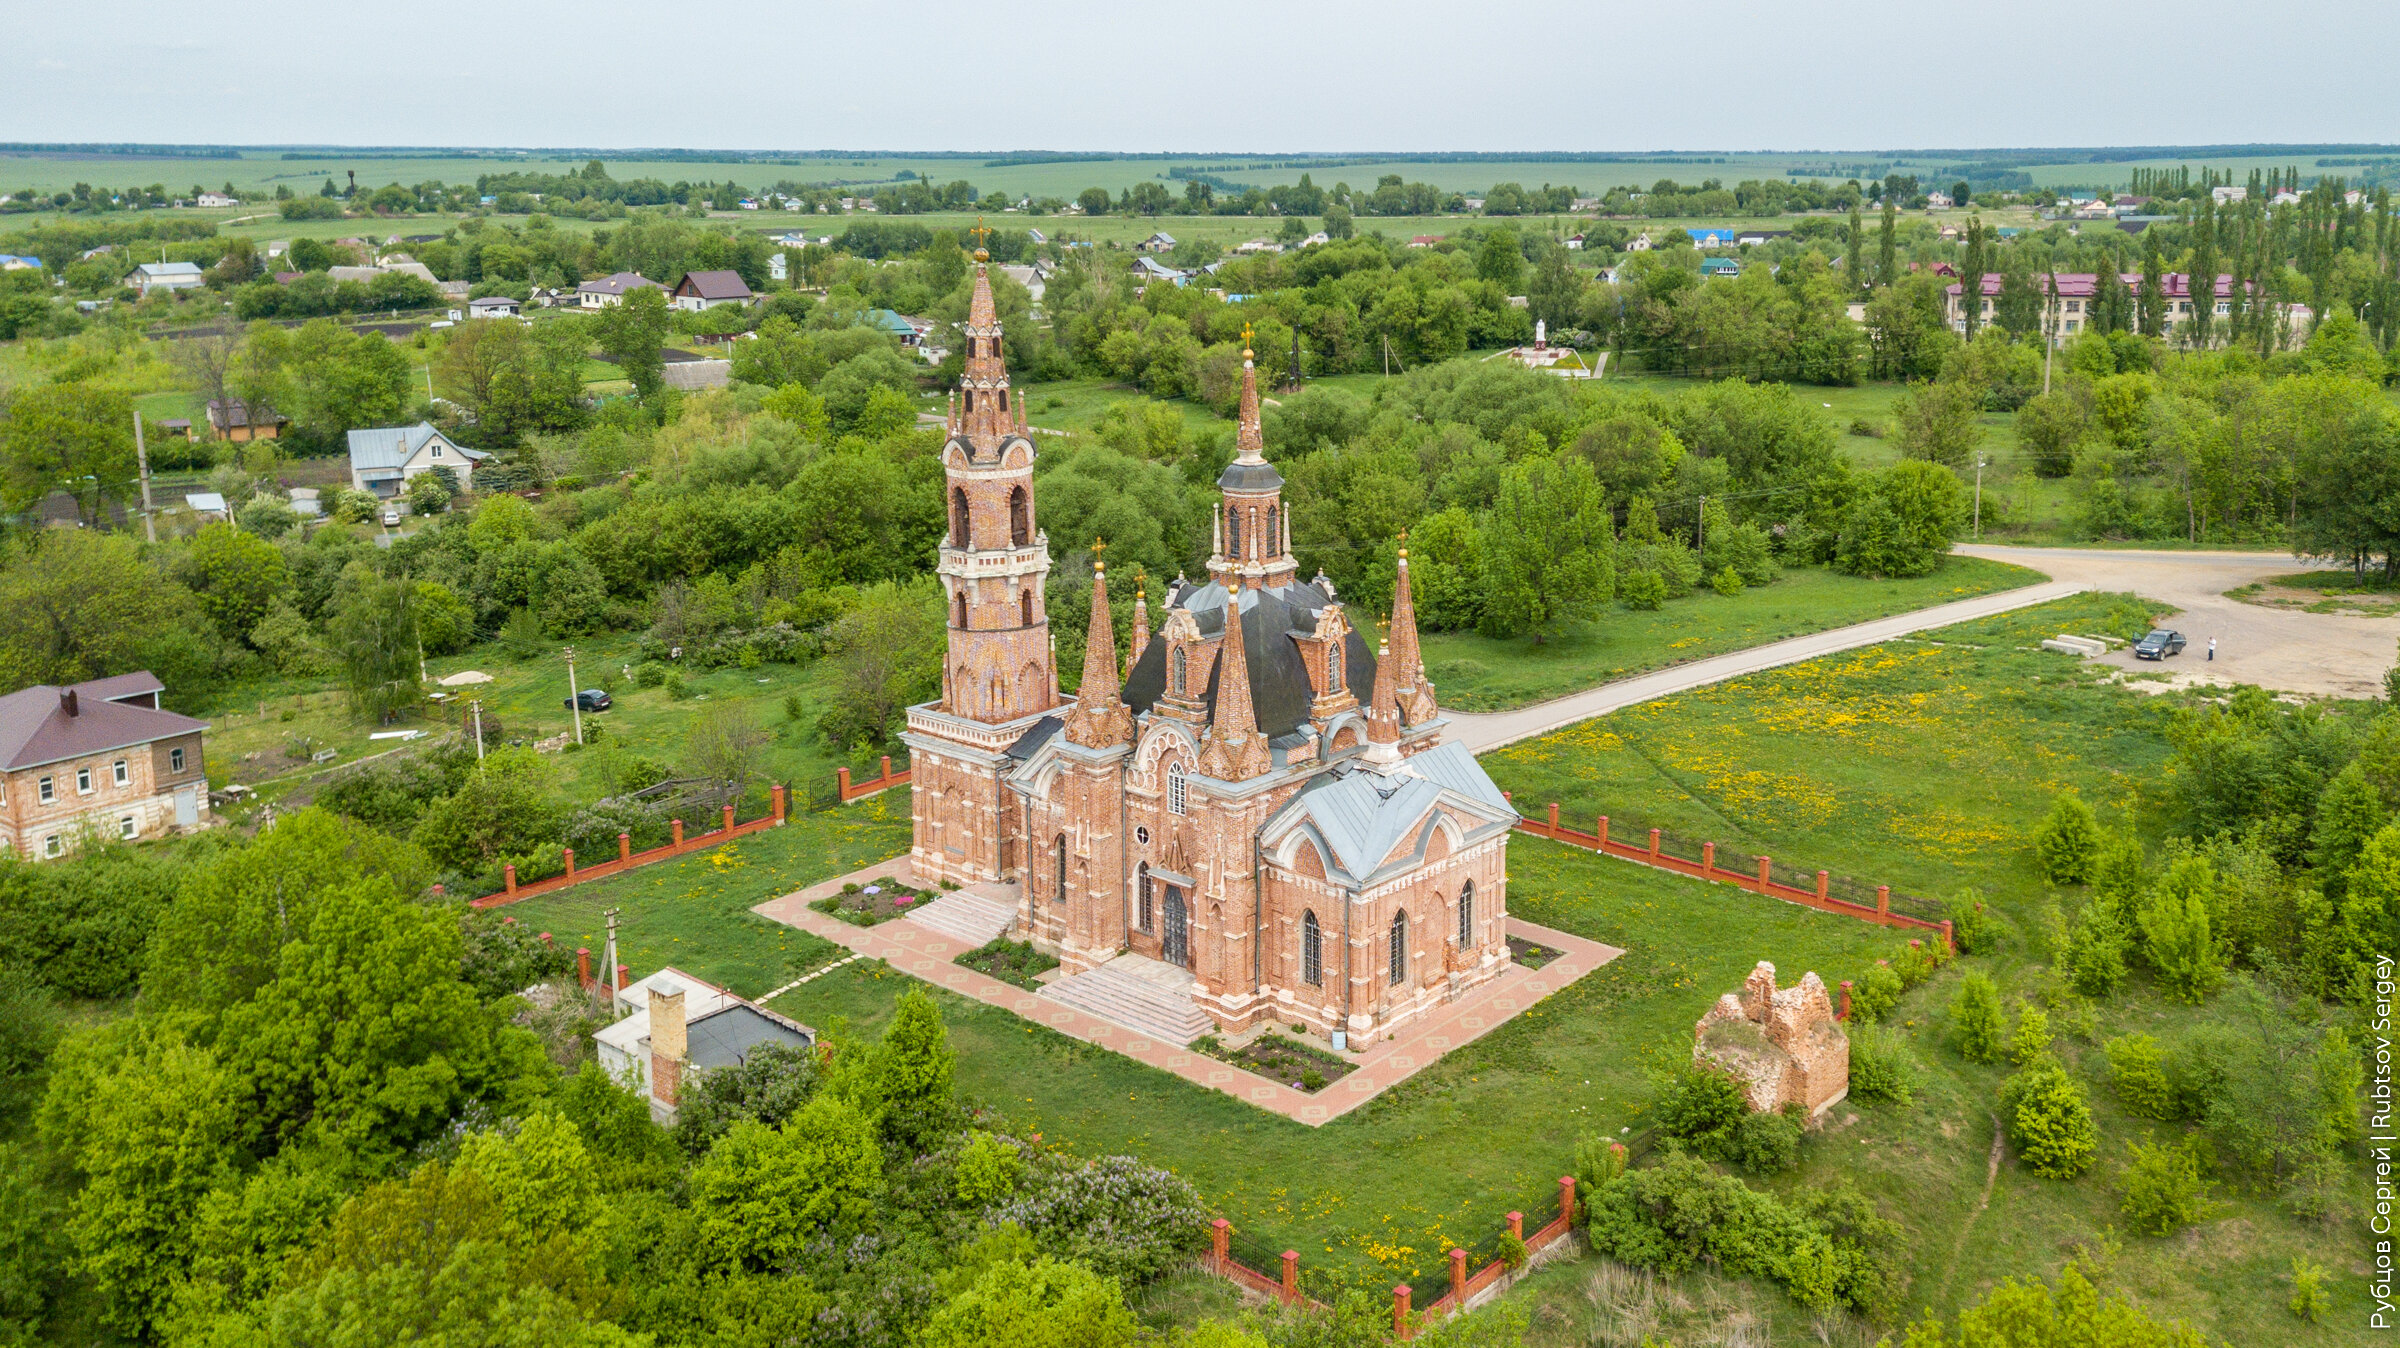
[391, 519]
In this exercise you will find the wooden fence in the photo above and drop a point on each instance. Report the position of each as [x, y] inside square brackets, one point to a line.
[1706, 868]
[627, 859]
[1466, 1291]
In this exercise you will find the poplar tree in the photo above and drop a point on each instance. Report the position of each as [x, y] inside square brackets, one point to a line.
[1856, 264]
[1970, 278]
[1887, 245]
[2151, 307]
[2202, 282]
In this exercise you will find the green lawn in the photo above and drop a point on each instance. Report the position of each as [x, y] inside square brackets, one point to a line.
[1380, 1193]
[1479, 673]
[694, 912]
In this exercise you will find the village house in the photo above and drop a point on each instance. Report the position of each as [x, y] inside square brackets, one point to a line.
[212, 200]
[98, 757]
[609, 291]
[151, 276]
[493, 306]
[699, 290]
[1157, 243]
[384, 458]
[673, 1028]
[1711, 238]
[238, 421]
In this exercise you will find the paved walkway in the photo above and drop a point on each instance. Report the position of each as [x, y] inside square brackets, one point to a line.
[1483, 732]
[927, 954]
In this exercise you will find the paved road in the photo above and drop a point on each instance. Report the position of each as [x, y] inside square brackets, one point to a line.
[1490, 730]
[2275, 648]
[2282, 649]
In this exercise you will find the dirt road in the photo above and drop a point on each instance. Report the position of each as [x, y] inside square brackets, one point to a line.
[2288, 651]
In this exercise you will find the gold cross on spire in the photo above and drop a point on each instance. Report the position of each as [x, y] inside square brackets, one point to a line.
[1404, 545]
[1099, 545]
[980, 233]
[1245, 341]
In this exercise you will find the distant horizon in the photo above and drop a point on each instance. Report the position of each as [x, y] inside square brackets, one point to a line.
[1067, 154]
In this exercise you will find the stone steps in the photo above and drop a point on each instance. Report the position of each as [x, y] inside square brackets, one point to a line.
[1136, 998]
[963, 915]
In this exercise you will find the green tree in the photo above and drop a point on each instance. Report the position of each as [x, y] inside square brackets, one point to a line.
[1887, 244]
[1501, 259]
[633, 334]
[1902, 524]
[340, 379]
[2050, 426]
[376, 631]
[237, 576]
[82, 604]
[2163, 1189]
[1936, 421]
[1045, 1304]
[1976, 1020]
[1548, 550]
[505, 808]
[763, 1193]
[2048, 1120]
[2095, 955]
[2150, 306]
[2069, 842]
[915, 1066]
[71, 437]
[2349, 812]
[886, 656]
[2176, 934]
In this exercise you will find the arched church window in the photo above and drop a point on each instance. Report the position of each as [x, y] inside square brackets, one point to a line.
[1175, 668]
[1333, 668]
[960, 609]
[1020, 517]
[1025, 607]
[1060, 894]
[958, 517]
[1399, 951]
[1466, 915]
[1274, 539]
[1142, 910]
[1233, 532]
[1177, 795]
[1312, 951]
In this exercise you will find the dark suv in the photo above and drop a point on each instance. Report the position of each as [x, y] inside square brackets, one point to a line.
[2158, 645]
[590, 699]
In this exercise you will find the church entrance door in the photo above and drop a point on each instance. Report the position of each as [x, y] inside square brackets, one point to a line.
[1175, 943]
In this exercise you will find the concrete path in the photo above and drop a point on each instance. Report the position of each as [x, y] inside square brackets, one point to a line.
[2283, 649]
[1482, 732]
[927, 954]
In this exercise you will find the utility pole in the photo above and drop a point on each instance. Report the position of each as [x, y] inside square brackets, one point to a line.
[575, 695]
[141, 454]
[609, 975]
[1980, 461]
[476, 705]
[1702, 549]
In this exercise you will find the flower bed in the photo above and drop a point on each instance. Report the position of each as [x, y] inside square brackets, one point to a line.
[1015, 962]
[1303, 1067]
[870, 905]
[1530, 955]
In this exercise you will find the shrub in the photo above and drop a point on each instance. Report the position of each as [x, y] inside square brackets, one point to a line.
[2163, 1189]
[2069, 842]
[499, 955]
[1827, 1249]
[1976, 1019]
[649, 674]
[988, 1169]
[1513, 1253]
[1765, 1143]
[1876, 993]
[1726, 582]
[2032, 1037]
[768, 1086]
[1701, 1105]
[676, 687]
[2122, 868]
[1642, 590]
[1125, 1219]
[2308, 1289]
[2137, 1073]
[1881, 1068]
[2176, 937]
[2095, 955]
[1972, 927]
[2048, 1120]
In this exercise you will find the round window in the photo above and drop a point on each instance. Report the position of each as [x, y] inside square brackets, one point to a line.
[1142, 835]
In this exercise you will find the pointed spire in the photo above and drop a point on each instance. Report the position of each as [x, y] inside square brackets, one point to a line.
[1234, 749]
[1405, 653]
[1249, 441]
[1141, 621]
[1383, 712]
[1100, 716]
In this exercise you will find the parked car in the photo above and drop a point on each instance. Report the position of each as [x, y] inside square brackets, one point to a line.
[391, 519]
[2158, 645]
[590, 699]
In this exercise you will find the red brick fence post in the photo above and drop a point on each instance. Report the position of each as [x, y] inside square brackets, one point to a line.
[1883, 901]
[782, 798]
[1654, 847]
[842, 776]
[1824, 886]
[1219, 1238]
[678, 831]
[570, 865]
[1566, 1196]
[1708, 860]
[1604, 833]
[624, 847]
[509, 874]
[1765, 874]
[729, 821]
[1400, 1312]
[1291, 1277]
[1516, 1225]
[1458, 1279]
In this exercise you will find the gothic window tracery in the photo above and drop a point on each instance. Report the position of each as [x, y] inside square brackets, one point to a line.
[1399, 951]
[1312, 950]
[1466, 915]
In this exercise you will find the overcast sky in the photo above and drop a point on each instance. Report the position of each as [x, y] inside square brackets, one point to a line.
[1304, 75]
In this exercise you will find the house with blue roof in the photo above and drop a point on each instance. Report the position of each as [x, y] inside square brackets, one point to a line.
[384, 458]
[1712, 238]
[12, 262]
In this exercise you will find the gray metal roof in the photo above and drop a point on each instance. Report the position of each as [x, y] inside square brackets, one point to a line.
[724, 1038]
[391, 446]
[1239, 476]
[1279, 689]
[1032, 740]
[1363, 815]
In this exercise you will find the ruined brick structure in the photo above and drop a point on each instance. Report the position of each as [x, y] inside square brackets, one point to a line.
[1228, 804]
[1783, 1044]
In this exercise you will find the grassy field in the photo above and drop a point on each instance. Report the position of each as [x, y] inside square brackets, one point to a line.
[694, 912]
[1380, 1193]
[1480, 673]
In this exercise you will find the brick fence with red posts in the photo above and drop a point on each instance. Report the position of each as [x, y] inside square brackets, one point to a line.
[1467, 1289]
[627, 859]
[1706, 868]
[886, 782]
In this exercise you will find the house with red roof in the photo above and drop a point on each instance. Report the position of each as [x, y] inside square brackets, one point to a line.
[98, 758]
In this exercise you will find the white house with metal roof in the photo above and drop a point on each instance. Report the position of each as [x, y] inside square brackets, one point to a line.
[384, 458]
[673, 1028]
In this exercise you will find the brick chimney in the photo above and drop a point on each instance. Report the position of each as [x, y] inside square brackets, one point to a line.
[66, 699]
[667, 1044]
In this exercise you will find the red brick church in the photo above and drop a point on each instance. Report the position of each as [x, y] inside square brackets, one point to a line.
[1264, 803]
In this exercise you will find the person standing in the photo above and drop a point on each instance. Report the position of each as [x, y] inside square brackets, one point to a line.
[2212, 648]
